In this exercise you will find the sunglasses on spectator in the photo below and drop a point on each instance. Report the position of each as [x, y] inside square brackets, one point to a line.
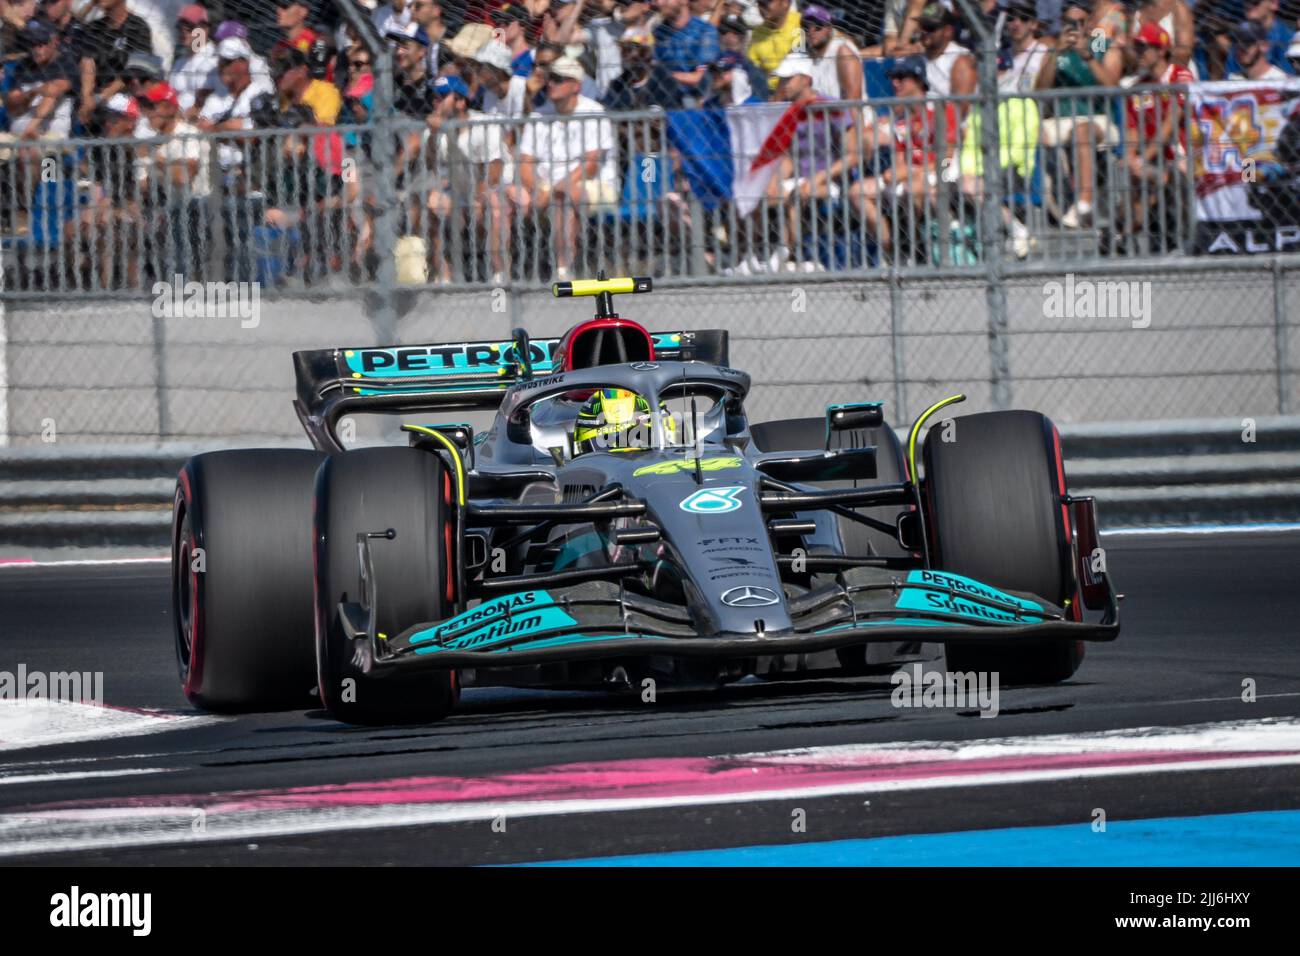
[358, 63]
[1022, 17]
[1140, 47]
[1075, 22]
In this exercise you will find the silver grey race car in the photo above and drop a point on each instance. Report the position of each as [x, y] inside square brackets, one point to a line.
[620, 520]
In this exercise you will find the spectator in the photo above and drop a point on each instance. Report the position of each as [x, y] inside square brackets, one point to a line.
[106, 43]
[504, 92]
[176, 184]
[535, 98]
[894, 39]
[643, 82]
[257, 65]
[775, 37]
[110, 222]
[1250, 45]
[58, 14]
[428, 15]
[230, 108]
[603, 30]
[1175, 18]
[413, 94]
[1264, 12]
[918, 151]
[391, 16]
[291, 17]
[836, 64]
[732, 34]
[1293, 54]
[1027, 51]
[1215, 47]
[566, 166]
[515, 24]
[39, 103]
[194, 74]
[560, 22]
[1155, 139]
[470, 164]
[817, 163]
[1079, 60]
[686, 46]
[949, 67]
[14, 16]
[291, 69]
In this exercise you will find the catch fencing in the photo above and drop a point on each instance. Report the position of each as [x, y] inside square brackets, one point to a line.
[153, 289]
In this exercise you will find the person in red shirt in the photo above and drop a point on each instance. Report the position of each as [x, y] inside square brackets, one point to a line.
[921, 153]
[1155, 146]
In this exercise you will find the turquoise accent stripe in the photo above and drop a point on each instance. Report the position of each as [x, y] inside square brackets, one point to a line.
[1265, 838]
[924, 599]
[528, 614]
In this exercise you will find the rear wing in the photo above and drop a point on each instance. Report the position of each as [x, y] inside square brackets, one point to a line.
[444, 377]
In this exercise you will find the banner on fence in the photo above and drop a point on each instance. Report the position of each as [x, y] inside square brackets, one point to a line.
[1246, 160]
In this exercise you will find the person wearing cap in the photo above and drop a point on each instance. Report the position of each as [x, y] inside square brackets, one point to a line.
[58, 14]
[291, 17]
[194, 74]
[685, 46]
[1154, 146]
[293, 79]
[39, 99]
[111, 220]
[1077, 126]
[427, 15]
[504, 92]
[824, 146]
[1175, 18]
[105, 45]
[643, 83]
[514, 23]
[177, 184]
[229, 108]
[1250, 45]
[1280, 33]
[774, 38]
[1026, 51]
[950, 68]
[836, 63]
[413, 92]
[733, 35]
[1293, 54]
[467, 188]
[566, 161]
[919, 151]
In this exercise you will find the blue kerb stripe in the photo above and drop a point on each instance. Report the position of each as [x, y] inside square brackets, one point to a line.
[1264, 838]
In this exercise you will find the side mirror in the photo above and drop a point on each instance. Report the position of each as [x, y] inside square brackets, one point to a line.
[846, 417]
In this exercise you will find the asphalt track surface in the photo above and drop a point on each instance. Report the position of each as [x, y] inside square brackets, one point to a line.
[1202, 614]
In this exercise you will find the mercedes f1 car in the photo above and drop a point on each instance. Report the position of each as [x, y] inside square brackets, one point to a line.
[620, 520]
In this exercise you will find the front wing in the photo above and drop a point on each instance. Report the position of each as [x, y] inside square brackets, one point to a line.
[598, 619]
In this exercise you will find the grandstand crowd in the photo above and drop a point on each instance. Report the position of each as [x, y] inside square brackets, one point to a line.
[189, 116]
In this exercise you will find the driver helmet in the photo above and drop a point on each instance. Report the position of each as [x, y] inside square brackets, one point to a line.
[616, 419]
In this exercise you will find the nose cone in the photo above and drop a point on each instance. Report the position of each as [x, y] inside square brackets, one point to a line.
[719, 535]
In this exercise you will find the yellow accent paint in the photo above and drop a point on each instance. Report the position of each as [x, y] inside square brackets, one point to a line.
[916, 431]
[455, 456]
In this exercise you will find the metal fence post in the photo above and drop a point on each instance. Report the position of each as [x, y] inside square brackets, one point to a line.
[896, 345]
[995, 293]
[1280, 337]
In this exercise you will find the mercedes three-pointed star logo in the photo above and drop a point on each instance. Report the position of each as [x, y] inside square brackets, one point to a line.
[747, 596]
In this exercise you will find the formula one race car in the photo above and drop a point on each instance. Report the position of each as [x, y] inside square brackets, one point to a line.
[621, 520]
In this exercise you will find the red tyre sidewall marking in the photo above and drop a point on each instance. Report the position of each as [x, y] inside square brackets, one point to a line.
[448, 562]
[194, 674]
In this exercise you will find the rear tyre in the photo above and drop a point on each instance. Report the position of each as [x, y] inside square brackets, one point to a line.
[242, 579]
[995, 514]
[368, 490]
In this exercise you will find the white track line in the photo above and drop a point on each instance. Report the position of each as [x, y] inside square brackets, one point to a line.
[106, 827]
[81, 562]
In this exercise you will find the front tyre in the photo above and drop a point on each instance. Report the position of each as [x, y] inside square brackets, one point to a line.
[373, 490]
[994, 501]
